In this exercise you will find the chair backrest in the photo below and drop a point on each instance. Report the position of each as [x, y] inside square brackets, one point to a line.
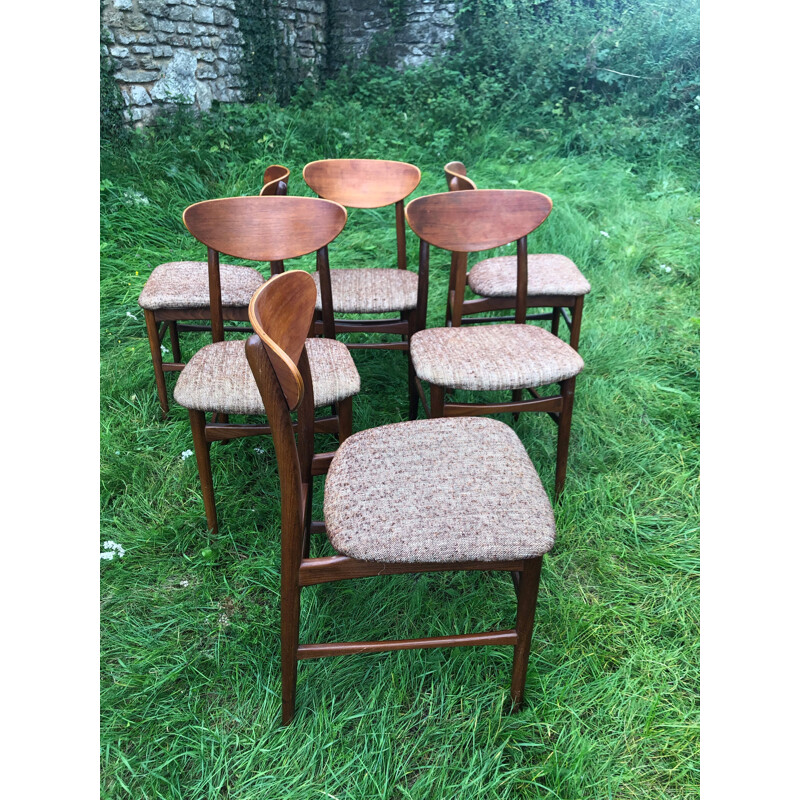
[362, 182]
[276, 181]
[260, 229]
[455, 174]
[467, 222]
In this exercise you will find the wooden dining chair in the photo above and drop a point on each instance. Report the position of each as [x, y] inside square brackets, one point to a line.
[217, 380]
[422, 496]
[180, 290]
[553, 281]
[497, 357]
[370, 183]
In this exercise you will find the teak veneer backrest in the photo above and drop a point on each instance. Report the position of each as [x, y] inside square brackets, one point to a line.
[467, 222]
[362, 182]
[456, 176]
[265, 228]
[276, 180]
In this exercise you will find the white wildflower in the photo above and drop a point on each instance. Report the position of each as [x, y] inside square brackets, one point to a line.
[604, 233]
[259, 450]
[111, 549]
[164, 350]
[184, 584]
[133, 198]
[667, 269]
[116, 452]
[107, 555]
[132, 316]
[186, 454]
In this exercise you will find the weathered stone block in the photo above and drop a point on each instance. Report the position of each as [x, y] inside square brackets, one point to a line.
[140, 49]
[178, 82]
[135, 76]
[203, 14]
[162, 51]
[155, 7]
[184, 27]
[119, 52]
[206, 71]
[180, 13]
[178, 40]
[139, 96]
[222, 16]
[164, 25]
[124, 5]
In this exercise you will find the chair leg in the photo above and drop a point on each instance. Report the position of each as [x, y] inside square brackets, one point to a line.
[527, 593]
[290, 639]
[155, 354]
[413, 397]
[516, 396]
[344, 411]
[437, 401]
[575, 328]
[175, 341]
[555, 319]
[564, 424]
[197, 420]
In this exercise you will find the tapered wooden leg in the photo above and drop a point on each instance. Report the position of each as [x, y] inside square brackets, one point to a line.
[555, 319]
[564, 424]
[175, 341]
[290, 637]
[155, 354]
[527, 593]
[575, 328]
[344, 409]
[413, 397]
[437, 401]
[197, 420]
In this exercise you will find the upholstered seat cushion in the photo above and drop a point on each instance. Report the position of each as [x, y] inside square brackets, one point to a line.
[444, 490]
[184, 284]
[370, 290]
[218, 377]
[548, 273]
[490, 357]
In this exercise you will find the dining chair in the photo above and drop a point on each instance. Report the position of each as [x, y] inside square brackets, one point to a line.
[366, 184]
[217, 380]
[496, 357]
[553, 281]
[422, 496]
[180, 290]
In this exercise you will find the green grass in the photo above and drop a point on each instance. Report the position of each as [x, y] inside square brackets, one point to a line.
[190, 666]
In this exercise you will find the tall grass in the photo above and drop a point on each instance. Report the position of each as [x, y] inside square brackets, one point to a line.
[190, 664]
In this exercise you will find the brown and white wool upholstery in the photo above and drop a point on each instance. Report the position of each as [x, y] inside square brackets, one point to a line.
[392, 494]
[548, 274]
[218, 377]
[184, 284]
[370, 290]
[492, 357]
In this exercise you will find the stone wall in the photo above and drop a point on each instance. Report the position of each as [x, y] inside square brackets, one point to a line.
[169, 52]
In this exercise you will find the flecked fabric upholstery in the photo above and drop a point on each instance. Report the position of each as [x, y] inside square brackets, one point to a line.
[547, 274]
[369, 290]
[218, 377]
[184, 284]
[444, 490]
[492, 357]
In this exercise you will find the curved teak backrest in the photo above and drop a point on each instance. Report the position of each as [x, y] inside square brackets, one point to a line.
[455, 174]
[280, 312]
[276, 179]
[265, 228]
[477, 220]
[362, 182]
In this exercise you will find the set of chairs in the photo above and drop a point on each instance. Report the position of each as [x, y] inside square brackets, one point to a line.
[456, 491]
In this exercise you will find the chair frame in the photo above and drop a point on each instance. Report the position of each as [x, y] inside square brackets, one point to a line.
[558, 407]
[284, 380]
[159, 321]
[458, 307]
[219, 429]
[374, 190]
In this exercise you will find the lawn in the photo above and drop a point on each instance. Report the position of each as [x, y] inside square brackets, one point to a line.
[190, 670]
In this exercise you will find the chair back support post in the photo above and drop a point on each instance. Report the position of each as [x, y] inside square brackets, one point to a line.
[458, 266]
[521, 303]
[215, 297]
[422, 286]
[326, 292]
[400, 225]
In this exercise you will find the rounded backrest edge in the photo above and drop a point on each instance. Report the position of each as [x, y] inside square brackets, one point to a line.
[477, 220]
[265, 228]
[362, 182]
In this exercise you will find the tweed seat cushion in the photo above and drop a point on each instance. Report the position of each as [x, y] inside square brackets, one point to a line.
[492, 357]
[184, 284]
[548, 273]
[444, 490]
[218, 377]
[369, 291]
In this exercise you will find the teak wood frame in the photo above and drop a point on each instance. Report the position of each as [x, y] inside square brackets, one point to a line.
[159, 321]
[280, 313]
[459, 307]
[371, 183]
[292, 232]
[478, 221]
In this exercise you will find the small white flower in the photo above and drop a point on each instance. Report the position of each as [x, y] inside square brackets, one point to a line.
[164, 350]
[132, 316]
[186, 454]
[259, 450]
[184, 583]
[604, 233]
[116, 452]
[108, 555]
[111, 549]
[667, 269]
